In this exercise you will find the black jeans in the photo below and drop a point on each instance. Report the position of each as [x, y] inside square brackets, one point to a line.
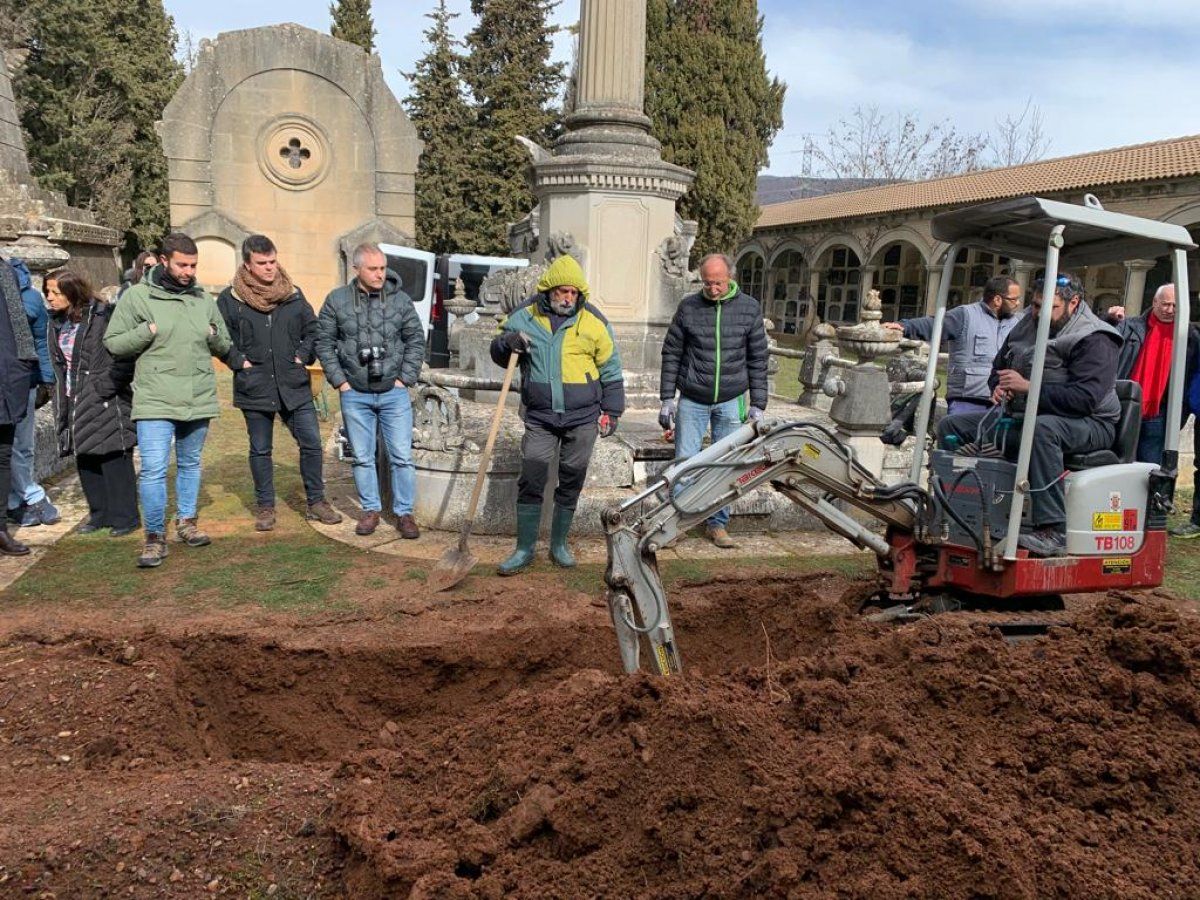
[302, 423]
[7, 434]
[538, 446]
[1053, 437]
[110, 486]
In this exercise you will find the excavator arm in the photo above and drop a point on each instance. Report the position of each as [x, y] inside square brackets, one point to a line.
[802, 460]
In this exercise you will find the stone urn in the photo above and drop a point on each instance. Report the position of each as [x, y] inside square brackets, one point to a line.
[869, 340]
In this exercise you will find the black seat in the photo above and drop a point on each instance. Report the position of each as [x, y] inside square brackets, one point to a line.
[1124, 446]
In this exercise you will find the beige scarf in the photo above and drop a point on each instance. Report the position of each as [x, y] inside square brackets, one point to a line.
[259, 295]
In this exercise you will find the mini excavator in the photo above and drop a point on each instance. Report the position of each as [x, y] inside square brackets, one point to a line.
[953, 537]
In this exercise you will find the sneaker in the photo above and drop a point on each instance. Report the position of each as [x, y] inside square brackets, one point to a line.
[1049, 540]
[264, 518]
[46, 512]
[1186, 531]
[720, 537]
[407, 526]
[10, 546]
[154, 551]
[16, 516]
[368, 523]
[322, 512]
[188, 533]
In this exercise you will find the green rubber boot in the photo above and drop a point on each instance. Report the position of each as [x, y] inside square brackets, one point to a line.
[560, 527]
[529, 519]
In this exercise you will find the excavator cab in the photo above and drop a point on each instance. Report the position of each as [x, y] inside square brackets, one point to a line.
[953, 527]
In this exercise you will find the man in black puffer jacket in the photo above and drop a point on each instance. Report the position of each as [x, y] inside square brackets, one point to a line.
[371, 345]
[274, 333]
[714, 353]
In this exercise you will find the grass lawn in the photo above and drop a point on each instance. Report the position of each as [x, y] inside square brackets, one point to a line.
[296, 570]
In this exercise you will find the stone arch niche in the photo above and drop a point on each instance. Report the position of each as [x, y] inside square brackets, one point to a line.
[288, 132]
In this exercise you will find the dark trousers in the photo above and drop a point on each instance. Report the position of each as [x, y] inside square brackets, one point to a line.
[8, 434]
[110, 486]
[302, 423]
[1151, 439]
[538, 446]
[1053, 437]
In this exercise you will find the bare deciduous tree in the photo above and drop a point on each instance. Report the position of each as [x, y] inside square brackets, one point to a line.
[871, 145]
[1021, 139]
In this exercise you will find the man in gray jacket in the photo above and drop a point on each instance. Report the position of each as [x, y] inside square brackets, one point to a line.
[973, 334]
[371, 346]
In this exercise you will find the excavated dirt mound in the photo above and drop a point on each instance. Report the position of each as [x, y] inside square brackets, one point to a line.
[806, 753]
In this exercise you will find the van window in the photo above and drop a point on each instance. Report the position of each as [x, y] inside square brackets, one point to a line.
[412, 274]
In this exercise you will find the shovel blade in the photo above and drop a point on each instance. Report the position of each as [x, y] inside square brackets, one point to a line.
[453, 567]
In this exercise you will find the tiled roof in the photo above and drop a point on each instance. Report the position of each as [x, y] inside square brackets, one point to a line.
[1172, 158]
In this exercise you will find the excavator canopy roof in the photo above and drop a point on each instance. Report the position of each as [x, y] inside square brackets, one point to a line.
[1021, 228]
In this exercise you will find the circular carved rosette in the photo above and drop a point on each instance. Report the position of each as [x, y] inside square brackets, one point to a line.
[294, 152]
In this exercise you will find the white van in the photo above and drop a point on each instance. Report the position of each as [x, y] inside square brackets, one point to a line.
[425, 275]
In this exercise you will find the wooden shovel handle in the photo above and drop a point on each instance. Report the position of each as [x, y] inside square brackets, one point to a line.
[486, 457]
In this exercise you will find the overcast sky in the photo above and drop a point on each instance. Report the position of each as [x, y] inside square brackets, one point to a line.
[1104, 72]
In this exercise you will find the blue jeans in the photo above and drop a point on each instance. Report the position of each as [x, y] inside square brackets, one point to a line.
[25, 488]
[692, 421]
[154, 442]
[1151, 439]
[392, 414]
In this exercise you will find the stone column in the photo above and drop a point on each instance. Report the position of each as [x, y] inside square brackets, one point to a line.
[814, 288]
[1135, 284]
[1022, 273]
[933, 280]
[605, 184]
[866, 280]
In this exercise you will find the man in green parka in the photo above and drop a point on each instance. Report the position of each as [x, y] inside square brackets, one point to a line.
[174, 329]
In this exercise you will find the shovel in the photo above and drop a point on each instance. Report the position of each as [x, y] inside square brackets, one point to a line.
[457, 562]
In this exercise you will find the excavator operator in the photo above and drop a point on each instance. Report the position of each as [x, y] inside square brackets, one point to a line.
[1077, 406]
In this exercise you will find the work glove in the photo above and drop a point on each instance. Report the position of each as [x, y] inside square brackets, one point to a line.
[42, 397]
[666, 416]
[516, 341]
[754, 414]
[607, 425]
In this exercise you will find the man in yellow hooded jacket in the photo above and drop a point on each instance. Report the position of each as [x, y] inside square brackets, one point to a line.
[572, 389]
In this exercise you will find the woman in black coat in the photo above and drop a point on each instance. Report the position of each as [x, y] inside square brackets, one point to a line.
[92, 404]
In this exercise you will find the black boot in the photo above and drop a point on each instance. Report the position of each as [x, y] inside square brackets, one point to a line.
[10, 546]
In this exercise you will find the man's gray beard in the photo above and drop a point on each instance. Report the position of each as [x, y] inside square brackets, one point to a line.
[562, 309]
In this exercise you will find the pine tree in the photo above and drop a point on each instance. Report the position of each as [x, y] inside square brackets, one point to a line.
[514, 85]
[96, 77]
[352, 22]
[714, 107]
[445, 123]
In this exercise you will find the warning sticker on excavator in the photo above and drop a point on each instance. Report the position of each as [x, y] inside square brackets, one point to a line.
[811, 451]
[1106, 521]
[752, 474]
[1120, 565]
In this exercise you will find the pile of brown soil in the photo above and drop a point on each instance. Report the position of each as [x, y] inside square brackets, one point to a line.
[486, 745]
[936, 759]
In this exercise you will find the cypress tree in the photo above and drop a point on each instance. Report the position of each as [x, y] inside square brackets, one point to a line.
[96, 77]
[352, 22]
[514, 85]
[714, 107]
[445, 123]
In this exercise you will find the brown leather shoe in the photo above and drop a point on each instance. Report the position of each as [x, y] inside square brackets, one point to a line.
[154, 552]
[264, 518]
[322, 512]
[188, 532]
[720, 538]
[368, 523]
[10, 546]
[407, 526]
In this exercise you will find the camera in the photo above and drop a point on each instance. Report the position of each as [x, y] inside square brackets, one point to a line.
[372, 358]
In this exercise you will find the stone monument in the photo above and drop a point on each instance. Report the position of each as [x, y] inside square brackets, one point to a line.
[47, 230]
[292, 133]
[604, 183]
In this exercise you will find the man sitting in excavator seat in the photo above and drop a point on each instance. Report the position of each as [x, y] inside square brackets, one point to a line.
[1077, 406]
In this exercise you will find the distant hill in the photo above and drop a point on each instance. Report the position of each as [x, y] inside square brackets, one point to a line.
[781, 188]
